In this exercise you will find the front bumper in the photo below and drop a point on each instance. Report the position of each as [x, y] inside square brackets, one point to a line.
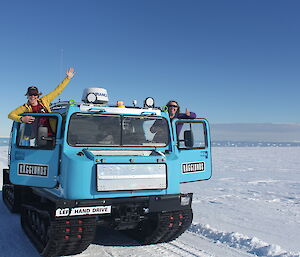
[111, 206]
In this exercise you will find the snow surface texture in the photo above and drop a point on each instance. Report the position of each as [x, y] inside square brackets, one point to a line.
[250, 207]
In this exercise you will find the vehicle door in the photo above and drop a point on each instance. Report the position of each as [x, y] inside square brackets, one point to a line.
[34, 155]
[193, 148]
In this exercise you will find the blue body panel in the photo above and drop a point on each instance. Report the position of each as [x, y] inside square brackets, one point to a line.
[74, 176]
[22, 157]
[194, 155]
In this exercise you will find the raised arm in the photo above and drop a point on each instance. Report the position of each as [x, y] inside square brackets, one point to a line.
[52, 95]
[187, 115]
[191, 115]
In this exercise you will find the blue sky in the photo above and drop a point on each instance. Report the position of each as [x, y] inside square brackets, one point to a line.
[229, 61]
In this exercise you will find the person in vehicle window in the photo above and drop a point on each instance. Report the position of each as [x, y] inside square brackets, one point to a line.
[174, 113]
[37, 104]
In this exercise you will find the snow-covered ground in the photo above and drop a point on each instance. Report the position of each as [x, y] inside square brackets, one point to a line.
[250, 207]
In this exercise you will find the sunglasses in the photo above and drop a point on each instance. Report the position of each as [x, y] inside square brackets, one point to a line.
[172, 105]
[33, 94]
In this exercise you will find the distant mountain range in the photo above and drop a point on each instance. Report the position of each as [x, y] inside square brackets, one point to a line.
[253, 144]
[256, 132]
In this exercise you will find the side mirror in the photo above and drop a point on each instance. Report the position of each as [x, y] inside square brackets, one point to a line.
[42, 134]
[42, 138]
[188, 139]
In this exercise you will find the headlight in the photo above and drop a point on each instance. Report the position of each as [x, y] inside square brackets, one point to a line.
[185, 200]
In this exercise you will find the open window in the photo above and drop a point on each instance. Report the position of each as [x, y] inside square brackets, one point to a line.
[40, 134]
[191, 134]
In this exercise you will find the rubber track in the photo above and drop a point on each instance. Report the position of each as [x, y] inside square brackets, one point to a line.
[180, 223]
[168, 227]
[12, 197]
[62, 234]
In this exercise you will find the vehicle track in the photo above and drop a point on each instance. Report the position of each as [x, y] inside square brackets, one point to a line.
[113, 243]
[186, 250]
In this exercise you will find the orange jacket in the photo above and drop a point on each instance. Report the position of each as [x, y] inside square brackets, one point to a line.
[44, 101]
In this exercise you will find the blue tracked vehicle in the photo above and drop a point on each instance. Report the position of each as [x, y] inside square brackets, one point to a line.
[90, 164]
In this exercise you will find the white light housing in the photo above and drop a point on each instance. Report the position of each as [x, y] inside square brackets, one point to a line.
[149, 102]
[185, 200]
[91, 98]
[95, 95]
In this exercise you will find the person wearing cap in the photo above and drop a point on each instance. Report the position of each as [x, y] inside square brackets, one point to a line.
[174, 113]
[37, 104]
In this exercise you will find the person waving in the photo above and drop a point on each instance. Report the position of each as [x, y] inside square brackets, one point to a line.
[37, 104]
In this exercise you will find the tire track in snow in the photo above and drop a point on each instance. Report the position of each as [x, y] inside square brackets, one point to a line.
[204, 246]
[181, 250]
[189, 250]
[113, 243]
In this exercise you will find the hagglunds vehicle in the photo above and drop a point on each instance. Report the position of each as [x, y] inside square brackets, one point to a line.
[93, 164]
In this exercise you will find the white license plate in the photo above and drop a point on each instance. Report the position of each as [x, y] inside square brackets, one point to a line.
[77, 211]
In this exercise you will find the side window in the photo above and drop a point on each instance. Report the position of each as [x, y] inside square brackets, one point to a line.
[39, 134]
[191, 134]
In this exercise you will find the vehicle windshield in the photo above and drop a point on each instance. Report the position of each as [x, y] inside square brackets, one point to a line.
[116, 130]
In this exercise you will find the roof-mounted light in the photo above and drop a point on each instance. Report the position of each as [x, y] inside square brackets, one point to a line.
[91, 98]
[149, 102]
[120, 104]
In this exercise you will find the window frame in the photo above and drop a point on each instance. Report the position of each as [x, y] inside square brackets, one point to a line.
[206, 143]
[121, 134]
[40, 115]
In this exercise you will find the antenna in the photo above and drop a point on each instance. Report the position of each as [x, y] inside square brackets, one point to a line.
[61, 63]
